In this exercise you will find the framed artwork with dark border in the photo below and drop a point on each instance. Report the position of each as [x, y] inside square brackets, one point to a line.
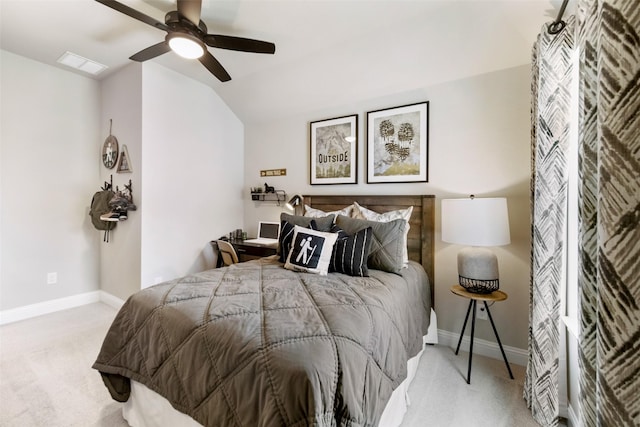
[398, 144]
[334, 151]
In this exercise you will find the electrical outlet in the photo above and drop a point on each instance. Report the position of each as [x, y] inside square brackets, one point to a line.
[481, 312]
[52, 278]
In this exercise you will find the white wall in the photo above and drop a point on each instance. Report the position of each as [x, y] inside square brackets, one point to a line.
[478, 144]
[121, 99]
[49, 125]
[184, 143]
[192, 174]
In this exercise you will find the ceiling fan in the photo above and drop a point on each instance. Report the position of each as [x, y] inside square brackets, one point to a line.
[187, 36]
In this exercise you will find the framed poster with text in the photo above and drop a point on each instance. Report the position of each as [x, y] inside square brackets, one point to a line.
[334, 151]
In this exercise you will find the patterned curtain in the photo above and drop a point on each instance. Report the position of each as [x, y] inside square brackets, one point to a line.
[609, 41]
[551, 100]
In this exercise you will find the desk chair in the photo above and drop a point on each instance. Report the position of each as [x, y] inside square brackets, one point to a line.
[227, 252]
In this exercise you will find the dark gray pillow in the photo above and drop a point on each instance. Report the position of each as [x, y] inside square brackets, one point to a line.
[387, 243]
[322, 224]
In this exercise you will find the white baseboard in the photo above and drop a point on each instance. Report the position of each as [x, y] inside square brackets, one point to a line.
[486, 348]
[46, 307]
[111, 300]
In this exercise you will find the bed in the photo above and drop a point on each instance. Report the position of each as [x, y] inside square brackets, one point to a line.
[256, 344]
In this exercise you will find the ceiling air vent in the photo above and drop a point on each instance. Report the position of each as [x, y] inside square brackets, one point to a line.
[83, 64]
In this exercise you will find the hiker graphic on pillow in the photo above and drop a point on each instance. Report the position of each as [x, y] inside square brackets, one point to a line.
[307, 250]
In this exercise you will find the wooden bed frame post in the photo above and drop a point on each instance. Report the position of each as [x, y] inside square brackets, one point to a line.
[428, 239]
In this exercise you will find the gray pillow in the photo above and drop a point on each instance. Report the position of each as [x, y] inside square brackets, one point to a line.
[387, 244]
[324, 223]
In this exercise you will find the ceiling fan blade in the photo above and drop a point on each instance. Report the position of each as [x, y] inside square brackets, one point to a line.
[151, 52]
[239, 43]
[214, 67]
[122, 8]
[190, 9]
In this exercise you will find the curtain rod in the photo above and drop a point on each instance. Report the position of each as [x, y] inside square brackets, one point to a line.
[558, 25]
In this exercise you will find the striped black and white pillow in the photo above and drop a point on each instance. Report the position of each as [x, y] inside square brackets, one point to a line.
[350, 253]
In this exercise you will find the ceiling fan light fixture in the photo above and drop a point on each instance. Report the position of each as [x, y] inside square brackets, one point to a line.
[186, 45]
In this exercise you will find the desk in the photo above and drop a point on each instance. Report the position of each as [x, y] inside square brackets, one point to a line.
[473, 299]
[247, 251]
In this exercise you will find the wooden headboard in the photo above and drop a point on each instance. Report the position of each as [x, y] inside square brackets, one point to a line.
[420, 241]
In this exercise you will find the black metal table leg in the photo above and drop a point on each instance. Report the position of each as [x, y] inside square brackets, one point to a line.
[472, 306]
[464, 326]
[504, 356]
[473, 297]
[473, 327]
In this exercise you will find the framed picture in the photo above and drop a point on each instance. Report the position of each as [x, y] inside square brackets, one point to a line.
[124, 163]
[398, 144]
[334, 151]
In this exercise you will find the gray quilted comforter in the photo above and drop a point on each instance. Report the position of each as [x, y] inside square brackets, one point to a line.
[254, 344]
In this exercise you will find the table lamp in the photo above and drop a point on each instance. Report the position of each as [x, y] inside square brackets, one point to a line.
[476, 222]
[295, 201]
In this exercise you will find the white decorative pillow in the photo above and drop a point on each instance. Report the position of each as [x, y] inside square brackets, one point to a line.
[310, 251]
[364, 213]
[316, 213]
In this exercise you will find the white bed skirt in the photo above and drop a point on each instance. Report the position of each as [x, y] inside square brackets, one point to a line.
[146, 408]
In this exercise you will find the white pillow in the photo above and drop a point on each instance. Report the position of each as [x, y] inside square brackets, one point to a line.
[310, 251]
[316, 213]
[364, 213]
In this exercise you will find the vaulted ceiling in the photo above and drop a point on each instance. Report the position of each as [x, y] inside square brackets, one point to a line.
[327, 52]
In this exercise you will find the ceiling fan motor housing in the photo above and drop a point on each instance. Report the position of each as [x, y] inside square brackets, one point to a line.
[176, 21]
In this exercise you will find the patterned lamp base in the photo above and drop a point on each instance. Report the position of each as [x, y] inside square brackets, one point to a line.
[478, 270]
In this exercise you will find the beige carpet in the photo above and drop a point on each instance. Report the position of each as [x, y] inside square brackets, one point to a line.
[45, 370]
[46, 379]
[440, 395]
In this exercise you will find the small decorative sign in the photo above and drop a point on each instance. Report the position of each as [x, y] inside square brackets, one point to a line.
[273, 172]
[110, 149]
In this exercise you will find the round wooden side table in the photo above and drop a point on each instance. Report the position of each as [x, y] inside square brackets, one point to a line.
[473, 299]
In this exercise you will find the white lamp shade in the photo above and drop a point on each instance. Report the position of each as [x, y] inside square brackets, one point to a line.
[475, 221]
